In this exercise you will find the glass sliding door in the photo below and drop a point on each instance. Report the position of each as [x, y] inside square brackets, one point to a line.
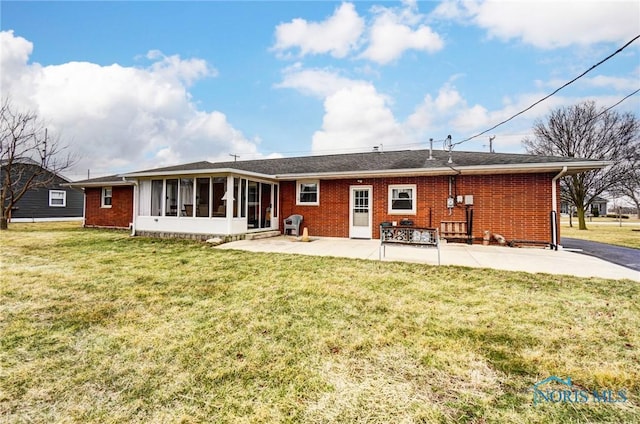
[253, 216]
[265, 205]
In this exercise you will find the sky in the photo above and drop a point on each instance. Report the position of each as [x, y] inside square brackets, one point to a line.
[132, 85]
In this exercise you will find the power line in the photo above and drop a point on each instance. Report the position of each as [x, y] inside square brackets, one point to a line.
[616, 104]
[553, 93]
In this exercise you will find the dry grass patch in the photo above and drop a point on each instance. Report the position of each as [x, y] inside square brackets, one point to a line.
[606, 232]
[101, 327]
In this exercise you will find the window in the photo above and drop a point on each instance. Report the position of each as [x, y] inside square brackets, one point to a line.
[402, 199]
[156, 197]
[57, 198]
[186, 197]
[171, 196]
[308, 192]
[107, 196]
[202, 196]
[219, 191]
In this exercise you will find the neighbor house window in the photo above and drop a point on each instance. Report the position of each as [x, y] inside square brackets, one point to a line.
[107, 195]
[57, 198]
[308, 192]
[402, 199]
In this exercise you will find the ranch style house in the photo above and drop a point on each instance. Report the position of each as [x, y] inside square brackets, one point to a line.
[343, 195]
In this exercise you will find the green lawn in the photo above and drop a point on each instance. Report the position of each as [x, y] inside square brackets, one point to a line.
[605, 230]
[100, 327]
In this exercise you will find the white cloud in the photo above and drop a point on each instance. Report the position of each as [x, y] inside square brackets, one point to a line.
[338, 35]
[395, 31]
[623, 84]
[315, 82]
[357, 117]
[548, 23]
[121, 117]
[391, 33]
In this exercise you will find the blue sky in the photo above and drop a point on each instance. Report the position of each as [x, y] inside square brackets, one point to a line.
[131, 85]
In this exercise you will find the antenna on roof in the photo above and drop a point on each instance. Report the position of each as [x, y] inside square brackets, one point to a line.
[235, 157]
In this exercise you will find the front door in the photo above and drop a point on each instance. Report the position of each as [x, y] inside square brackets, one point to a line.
[360, 212]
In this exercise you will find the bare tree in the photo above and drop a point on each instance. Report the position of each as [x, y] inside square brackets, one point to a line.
[583, 131]
[630, 183]
[29, 157]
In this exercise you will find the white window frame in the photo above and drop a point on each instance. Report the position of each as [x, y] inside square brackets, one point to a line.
[414, 192]
[51, 198]
[299, 184]
[103, 196]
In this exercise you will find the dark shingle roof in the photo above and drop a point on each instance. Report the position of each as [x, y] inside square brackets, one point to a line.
[375, 161]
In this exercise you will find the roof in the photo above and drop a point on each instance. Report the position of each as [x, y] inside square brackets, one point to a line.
[110, 180]
[368, 164]
[405, 162]
[25, 161]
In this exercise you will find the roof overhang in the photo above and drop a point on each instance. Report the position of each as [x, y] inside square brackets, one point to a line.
[207, 171]
[572, 168]
[106, 183]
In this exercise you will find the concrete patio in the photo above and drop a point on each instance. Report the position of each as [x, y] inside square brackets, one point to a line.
[534, 260]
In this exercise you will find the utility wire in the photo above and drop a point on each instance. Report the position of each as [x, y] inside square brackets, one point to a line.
[616, 104]
[549, 95]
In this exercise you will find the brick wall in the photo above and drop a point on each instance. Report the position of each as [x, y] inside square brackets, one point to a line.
[119, 215]
[516, 206]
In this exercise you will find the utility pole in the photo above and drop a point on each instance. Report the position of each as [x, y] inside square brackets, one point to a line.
[491, 143]
[235, 157]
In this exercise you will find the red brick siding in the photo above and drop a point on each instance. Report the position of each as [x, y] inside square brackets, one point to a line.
[120, 214]
[516, 206]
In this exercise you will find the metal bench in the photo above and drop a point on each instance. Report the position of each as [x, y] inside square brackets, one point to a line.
[410, 236]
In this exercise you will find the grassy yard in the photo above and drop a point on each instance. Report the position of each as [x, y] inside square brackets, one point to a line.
[98, 327]
[605, 230]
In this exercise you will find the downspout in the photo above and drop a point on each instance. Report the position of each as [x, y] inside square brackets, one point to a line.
[554, 206]
[132, 224]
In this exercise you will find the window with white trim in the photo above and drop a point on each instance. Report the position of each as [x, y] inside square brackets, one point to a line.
[107, 197]
[308, 192]
[402, 199]
[57, 198]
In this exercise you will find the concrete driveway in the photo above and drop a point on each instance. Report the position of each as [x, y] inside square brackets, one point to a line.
[532, 260]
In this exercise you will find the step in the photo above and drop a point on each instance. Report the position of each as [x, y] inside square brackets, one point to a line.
[261, 235]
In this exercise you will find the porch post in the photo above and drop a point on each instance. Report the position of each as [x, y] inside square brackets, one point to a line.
[229, 205]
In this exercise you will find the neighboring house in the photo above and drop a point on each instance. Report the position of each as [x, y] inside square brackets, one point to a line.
[346, 195]
[599, 204]
[55, 201]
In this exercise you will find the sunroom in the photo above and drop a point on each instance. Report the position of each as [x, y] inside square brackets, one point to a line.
[212, 204]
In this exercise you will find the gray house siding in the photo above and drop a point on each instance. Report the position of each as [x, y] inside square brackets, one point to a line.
[35, 203]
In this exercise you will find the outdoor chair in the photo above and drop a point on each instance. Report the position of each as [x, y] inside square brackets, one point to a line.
[293, 223]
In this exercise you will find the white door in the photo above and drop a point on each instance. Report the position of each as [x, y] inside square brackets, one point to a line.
[360, 216]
